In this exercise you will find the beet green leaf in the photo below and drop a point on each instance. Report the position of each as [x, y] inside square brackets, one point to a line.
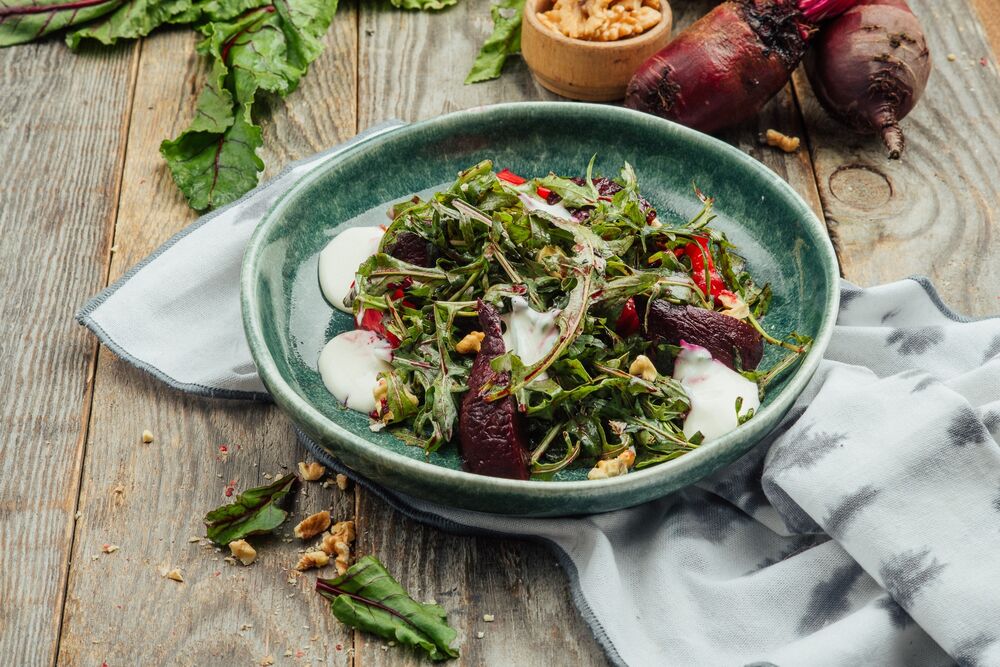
[368, 598]
[255, 511]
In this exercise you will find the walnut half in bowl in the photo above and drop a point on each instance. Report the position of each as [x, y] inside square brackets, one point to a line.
[589, 49]
[602, 20]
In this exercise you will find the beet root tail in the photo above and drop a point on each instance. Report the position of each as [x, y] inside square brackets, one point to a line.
[893, 139]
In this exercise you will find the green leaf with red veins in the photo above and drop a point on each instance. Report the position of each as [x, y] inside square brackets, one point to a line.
[368, 598]
[268, 48]
[254, 512]
[26, 20]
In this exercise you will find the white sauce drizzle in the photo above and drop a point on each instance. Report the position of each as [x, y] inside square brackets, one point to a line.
[530, 334]
[713, 389]
[556, 210]
[350, 364]
[340, 259]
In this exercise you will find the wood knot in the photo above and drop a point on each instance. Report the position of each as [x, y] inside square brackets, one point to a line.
[861, 187]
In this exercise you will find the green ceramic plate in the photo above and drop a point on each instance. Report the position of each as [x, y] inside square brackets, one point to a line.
[287, 320]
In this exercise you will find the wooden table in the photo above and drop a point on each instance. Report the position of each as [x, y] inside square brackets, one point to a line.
[84, 195]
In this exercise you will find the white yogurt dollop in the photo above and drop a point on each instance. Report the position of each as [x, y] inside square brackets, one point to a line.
[713, 389]
[340, 259]
[350, 364]
[530, 334]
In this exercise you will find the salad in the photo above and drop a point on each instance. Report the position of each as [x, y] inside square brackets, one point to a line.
[548, 323]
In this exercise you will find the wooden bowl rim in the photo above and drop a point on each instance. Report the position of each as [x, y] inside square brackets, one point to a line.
[530, 17]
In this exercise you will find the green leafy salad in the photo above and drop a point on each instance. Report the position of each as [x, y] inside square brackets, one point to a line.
[560, 322]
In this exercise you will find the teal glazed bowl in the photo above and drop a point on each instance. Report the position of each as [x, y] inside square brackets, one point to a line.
[288, 321]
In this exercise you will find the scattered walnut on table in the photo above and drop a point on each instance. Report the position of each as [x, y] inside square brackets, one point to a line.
[342, 482]
[312, 526]
[174, 575]
[311, 559]
[242, 550]
[338, 542]
[311, 472]
[782, 141]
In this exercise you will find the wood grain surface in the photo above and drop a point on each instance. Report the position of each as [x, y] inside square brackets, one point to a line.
[149, 499]
[58, 195]
[71, 432]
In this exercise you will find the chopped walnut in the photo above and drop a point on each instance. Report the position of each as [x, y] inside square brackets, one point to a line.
[380, 391]
[241, 549]
[343, 482]
[311, 471]
[735, 306]
[147, 436]
[601, 20]
[110, 548]
[312, 526]
[338, 541]
[266, 661]
[782, 141]
[311, 559]
[642, 367]
[613, 467]
[470, 343]
[175, 575]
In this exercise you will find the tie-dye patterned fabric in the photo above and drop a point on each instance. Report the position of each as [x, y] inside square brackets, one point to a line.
[864, 531]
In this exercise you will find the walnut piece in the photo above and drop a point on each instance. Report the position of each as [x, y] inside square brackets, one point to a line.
[175, 575]
[310, 472]
[312, 526]
[147, 436]
[241, 549]
[311, 559]
[342, 482]
[613, 467]
[338, 542]
[782, 141]
[642, 367]
[735, 306]
[601, 20]
[470, 343]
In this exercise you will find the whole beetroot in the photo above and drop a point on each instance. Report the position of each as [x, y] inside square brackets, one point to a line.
[869, 66]
[724, 68]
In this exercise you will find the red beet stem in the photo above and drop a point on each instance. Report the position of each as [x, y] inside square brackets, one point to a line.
[817, 10]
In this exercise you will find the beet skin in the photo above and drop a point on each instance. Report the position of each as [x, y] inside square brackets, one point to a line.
[725, 67]
[869, 66]
[411, 248]
[722, 335]
[490, 432]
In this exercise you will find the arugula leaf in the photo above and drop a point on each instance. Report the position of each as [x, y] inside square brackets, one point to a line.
[26, 20]
[423, 5]
[368, 598]
[503, 42]
[267, 48]
[254, 512]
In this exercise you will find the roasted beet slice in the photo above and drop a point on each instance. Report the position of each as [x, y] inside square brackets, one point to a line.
[722, 335]
[490, 432]
[411, 248]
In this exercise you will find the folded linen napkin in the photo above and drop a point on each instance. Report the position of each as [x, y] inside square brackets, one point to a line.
[864, 530]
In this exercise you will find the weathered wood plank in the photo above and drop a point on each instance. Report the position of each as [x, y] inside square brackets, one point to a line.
[412, 67]
[58, 194]
[149, 499]
[933, 212]
[989, 17]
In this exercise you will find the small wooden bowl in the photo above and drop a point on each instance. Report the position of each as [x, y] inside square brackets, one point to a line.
[583, 70]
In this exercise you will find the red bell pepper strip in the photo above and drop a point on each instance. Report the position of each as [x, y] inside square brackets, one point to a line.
[628, 321]
[511, 177]
[371, 320]
[698, 252]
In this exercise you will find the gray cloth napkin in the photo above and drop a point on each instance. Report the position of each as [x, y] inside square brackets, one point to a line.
[864, 531]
